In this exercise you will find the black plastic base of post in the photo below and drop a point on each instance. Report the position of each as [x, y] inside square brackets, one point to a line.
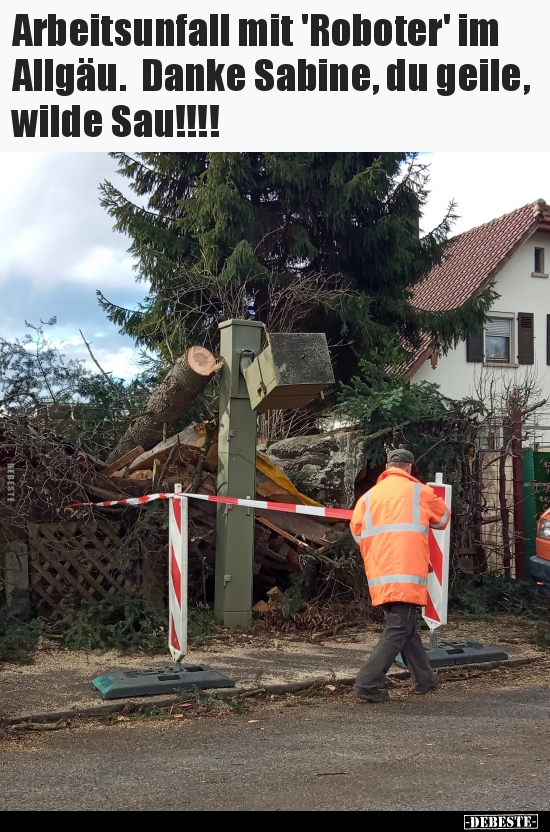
[459, 651]
[125, 683]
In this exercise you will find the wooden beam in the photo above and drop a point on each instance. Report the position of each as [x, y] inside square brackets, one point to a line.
[282, 532]
[122, 461]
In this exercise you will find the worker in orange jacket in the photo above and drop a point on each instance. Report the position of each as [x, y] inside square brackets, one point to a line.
[391, 524]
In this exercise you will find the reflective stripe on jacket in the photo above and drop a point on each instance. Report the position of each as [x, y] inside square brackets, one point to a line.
[391, 524]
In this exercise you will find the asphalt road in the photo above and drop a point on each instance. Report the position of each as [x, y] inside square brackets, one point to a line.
[468, 751]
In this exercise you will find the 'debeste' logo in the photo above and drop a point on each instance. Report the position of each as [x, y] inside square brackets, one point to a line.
[501, 821]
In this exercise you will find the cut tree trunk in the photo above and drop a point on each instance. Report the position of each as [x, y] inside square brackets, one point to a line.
[183, 384]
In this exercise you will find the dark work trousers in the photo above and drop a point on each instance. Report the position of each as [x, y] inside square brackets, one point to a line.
[399, 636]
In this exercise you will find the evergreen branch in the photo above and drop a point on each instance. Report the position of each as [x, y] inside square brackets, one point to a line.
[441, 230]
[113, 200]
[120, 156]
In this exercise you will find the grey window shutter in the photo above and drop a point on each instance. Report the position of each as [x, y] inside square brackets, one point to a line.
[526, 343]
[475, 347]
[548, 339]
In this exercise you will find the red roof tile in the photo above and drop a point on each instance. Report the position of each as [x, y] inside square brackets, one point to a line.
[473, 259]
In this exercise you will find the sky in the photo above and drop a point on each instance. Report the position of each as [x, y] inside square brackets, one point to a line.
[57, 245]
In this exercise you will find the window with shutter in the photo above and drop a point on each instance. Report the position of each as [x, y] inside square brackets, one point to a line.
[498, 332]
[526, 341]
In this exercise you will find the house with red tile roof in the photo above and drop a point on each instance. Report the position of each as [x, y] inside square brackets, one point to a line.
[513, 254]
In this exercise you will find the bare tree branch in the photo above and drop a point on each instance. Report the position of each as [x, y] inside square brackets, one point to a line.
[105, 375]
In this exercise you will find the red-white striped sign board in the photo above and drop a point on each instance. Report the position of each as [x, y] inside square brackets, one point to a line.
[435, 611]
[177, 577]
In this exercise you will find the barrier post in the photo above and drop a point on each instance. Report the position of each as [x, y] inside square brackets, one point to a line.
[455, 651]
[177, 578]
[162, 680]
[435, 611]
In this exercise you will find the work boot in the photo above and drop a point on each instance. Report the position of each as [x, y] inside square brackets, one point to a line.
[374, 695]
[420, 690]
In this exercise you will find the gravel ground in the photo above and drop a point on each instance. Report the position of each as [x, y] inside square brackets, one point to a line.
[60, 679]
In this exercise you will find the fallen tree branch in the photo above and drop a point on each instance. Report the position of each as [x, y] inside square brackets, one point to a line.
[333, 630]
[247, 694]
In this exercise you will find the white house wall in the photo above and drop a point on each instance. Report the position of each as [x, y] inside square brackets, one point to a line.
[519, 292]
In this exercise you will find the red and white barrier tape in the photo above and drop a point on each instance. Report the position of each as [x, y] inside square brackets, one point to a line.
[312, 511]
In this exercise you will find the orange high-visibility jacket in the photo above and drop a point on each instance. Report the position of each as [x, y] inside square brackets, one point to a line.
[391, 524]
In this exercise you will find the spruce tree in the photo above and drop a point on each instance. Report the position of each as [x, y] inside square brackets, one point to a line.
[347, 224]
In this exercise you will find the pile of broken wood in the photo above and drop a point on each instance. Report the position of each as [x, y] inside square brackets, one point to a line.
[190, 458]
[145, 461]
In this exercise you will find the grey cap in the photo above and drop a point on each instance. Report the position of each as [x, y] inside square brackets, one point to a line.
[400, 455]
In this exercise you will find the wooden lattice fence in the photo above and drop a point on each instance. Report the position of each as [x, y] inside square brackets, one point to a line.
[71, 562]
